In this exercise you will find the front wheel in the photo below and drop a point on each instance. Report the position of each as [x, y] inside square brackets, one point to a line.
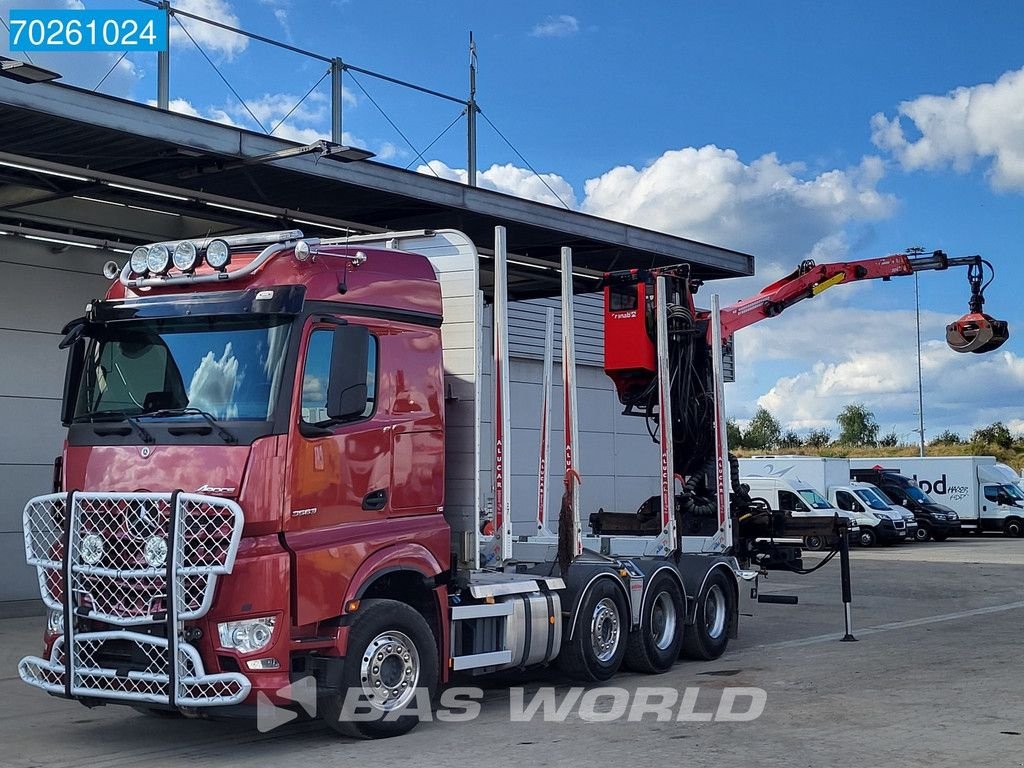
[716, 605]
[867, 537]
[1013, 527]
[923, 533]
[655, 645]
[815, 543]
[598, 644]
[390, 669]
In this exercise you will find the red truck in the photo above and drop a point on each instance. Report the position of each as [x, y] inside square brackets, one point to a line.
[275, 469]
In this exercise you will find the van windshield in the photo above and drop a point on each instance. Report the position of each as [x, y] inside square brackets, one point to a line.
[813, 499]
[914, 492]
[870, 498]
[1013, 491]
[230, 367]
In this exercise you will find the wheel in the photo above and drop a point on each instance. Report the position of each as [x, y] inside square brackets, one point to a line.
[815, 543]
[1013, 527]
[924, 533]
[391, 664]
[940, 536]
[598, 645]
[654, 646]
[867, 537]
[709, 635]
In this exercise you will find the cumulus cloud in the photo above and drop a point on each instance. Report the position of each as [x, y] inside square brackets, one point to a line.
[211, 39]
[969, 124]
[710, 194]
[556, 26]
[547, 188]
[213, 384]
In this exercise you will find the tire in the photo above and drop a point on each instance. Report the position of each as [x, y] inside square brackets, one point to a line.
[867, 537]
[1013, 527]
[390, 645]
[940, 536]
[708, 637]
[816, 543]
[924, 533]
[598, 645]
[654, 646]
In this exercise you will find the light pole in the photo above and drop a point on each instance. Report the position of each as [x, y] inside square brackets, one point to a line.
[920, 379]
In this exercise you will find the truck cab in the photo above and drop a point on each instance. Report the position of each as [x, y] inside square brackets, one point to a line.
[934, 521]
[798, 499]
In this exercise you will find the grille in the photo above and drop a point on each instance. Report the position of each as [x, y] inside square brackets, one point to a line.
[132, 667]
[118, 547]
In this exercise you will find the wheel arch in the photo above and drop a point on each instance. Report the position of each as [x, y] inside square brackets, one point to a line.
[586, 584]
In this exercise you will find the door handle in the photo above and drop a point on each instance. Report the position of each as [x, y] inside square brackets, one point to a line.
[375, 501]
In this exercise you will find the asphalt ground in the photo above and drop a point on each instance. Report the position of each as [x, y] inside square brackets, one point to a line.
[935, 679]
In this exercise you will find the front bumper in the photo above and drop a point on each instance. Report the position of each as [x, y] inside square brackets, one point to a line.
[139, 674]
[98, 561]
[945, 527]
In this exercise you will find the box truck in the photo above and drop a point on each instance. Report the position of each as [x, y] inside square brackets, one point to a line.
[982, 491]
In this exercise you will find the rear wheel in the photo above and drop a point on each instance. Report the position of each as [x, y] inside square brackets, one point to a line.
[390, 669]
[655, 645]
[1013, 527]
[709, 635]
[867, 537]
[598, 644]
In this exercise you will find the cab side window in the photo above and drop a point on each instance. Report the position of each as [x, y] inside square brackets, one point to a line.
[788, 502]
[992, 493]
[845, 501]
[316, 375]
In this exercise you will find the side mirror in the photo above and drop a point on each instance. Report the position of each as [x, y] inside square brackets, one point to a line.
[346, 392]
[857, 507]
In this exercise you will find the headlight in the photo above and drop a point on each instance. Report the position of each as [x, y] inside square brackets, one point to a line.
[218, 254]
[185, 256]
[248, 635]
[155, 551]
[953, 516]
[140, 260]
[92, 548]
[159, 259]
[55, 622]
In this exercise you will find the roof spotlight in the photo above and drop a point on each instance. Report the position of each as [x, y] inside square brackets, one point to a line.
[140, 260]
[186, 255]
[159, 259]
[218, 254]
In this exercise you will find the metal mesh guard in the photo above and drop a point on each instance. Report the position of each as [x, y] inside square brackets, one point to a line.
[116, 541]
[149, 685]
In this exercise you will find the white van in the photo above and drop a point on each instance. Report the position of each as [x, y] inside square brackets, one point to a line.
[798, 499]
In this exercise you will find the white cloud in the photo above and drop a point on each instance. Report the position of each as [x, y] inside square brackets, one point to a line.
[709, 194]
[213, 384]
[556, 26]
[210, 38]
[547, 188]
[968, 124]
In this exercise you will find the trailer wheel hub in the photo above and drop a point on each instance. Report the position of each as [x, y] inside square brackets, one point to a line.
[390, 670]
[604, 629]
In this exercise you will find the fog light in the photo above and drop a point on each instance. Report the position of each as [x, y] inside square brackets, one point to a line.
[92, 548]
[140, 260]
[263, 664]
[156, 551]
[185, 256]
[218, 254]
[55, 622]
[159, 259]
[248, 635]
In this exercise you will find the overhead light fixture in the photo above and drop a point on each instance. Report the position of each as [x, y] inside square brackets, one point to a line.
[143, 191]
[323, 148]
[24, 72]
[247, 211]
[32, 169]
[126, 205]
[321, 225]
[58, 241]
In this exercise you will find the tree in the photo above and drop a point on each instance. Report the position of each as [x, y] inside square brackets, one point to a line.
[857, 425]
[947, 437]
[734, 434]
[764, 431]
[818, 438]
[994, 434]
[789, 439]
[889, 439]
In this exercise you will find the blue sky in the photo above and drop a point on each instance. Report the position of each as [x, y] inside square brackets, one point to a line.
[841, 130]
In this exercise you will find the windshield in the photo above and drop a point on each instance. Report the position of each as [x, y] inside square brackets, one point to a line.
[871, 499]
[1013, 491]
[814, 499]
[229, 367]
[917, 494]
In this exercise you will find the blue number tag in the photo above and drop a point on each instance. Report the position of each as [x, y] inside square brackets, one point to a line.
[99, 30]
